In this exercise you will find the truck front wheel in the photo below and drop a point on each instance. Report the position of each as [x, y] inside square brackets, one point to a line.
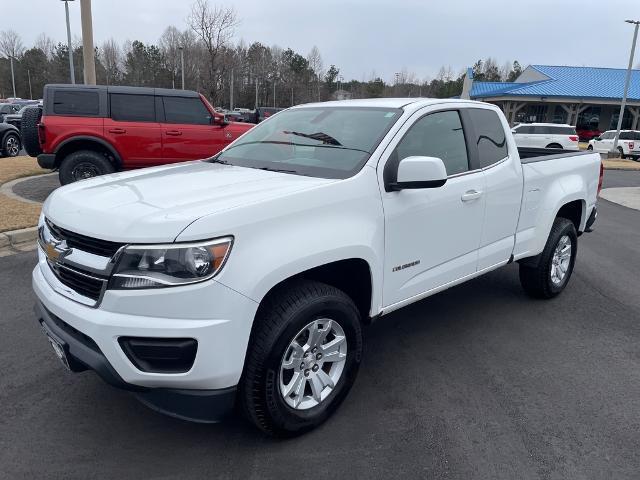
[303, 358]
[549, 274]
[83, 164]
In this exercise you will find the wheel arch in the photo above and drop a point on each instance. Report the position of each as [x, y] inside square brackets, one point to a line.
[351, 275]
[87, 142]
[8, 129]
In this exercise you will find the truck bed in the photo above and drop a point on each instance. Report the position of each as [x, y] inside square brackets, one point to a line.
[532, 154]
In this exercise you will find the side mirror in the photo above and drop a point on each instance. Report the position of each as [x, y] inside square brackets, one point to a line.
[220, 120]
[419, 172]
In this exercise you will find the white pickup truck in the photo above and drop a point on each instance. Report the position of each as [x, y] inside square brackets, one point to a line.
[245, 279]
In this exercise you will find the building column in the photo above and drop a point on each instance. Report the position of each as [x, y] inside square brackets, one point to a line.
[573, 110]
[635, 111]
[510, 111]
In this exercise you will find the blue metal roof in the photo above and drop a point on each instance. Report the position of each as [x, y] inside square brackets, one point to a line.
[580, 82]
[491, 88]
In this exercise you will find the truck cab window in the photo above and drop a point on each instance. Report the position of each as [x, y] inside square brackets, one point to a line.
[491, 140]
[436, 135]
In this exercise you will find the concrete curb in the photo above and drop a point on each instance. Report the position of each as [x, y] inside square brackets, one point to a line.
[6, 189]
[623, 169]
[18, 237]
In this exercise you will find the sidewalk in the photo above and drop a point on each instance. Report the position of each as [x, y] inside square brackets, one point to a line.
[625, 196]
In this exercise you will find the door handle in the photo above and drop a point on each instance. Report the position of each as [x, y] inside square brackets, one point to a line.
[471, 195]
[117, 130]
[174, 133]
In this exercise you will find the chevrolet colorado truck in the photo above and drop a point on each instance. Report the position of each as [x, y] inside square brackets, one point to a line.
[245, 279]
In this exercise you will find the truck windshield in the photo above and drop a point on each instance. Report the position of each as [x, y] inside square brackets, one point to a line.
[327, 142]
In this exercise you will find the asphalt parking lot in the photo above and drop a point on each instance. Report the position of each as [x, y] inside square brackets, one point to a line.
[476, 382]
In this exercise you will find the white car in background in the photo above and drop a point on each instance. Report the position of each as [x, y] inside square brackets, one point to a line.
[628, 143]
[546, 135]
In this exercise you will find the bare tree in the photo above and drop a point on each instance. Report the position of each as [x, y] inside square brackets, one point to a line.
[316, 66]
[46, 44]
[215, 26]
[170, 43]
[11, 44]
[112, 59]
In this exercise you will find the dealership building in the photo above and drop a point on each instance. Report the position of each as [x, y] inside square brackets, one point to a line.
[586, 97]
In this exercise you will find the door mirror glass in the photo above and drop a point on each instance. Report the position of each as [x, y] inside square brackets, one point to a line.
[420, 172]
[220, 120]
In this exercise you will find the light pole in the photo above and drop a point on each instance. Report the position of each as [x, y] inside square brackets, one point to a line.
[88, 54]
[182, 65]
[614, 149]
[30, 91]
[66, 9]
[13, 78]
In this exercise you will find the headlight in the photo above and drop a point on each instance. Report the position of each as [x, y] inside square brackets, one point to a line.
[155, 266]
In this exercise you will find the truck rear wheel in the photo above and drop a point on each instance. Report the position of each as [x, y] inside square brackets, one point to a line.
[303, 358]
[83, 164]
[549, 275]
[29, 130]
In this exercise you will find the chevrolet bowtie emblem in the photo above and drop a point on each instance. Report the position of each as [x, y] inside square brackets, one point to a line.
[54, 249]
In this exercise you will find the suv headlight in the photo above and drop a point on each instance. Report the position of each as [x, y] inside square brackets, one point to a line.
[172, 264]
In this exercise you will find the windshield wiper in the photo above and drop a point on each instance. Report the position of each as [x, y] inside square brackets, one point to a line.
[279, 170]
[320, 136]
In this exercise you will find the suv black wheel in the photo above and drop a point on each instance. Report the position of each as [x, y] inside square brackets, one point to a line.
[303, 358]
[83, 164]
[29, 130]
[548, 274]
[11, 145]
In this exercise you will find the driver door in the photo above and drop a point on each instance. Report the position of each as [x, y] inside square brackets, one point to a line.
[432, 235]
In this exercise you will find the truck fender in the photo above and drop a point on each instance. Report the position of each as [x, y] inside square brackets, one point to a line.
[90, 138]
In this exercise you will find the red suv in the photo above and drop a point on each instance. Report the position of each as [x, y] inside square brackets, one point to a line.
[85, 131]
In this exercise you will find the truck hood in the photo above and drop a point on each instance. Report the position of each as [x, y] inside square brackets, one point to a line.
[156, 204]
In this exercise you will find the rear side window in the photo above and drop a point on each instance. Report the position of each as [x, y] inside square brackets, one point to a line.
[186, 110]
[561, 130]
[627, 136]
[132, 108]
[524, 130]
[76, 102]
[490, 137]
[436, 135]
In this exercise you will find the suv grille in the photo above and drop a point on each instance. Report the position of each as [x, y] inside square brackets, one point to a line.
[104, 248]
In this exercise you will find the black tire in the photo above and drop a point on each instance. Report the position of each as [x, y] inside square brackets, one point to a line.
[83, 164]
[554, 145]
[536, 275]
[621, 152]
[285, 313]
[29, 130]
[11, 144]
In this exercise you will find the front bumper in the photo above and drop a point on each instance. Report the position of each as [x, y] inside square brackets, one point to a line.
[217, 317]
[83, 354]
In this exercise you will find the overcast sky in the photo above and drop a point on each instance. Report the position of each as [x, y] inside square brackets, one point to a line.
[381, 36]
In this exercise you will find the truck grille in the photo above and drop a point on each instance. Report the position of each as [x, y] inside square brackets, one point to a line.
[86, 285]
[104, 248]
